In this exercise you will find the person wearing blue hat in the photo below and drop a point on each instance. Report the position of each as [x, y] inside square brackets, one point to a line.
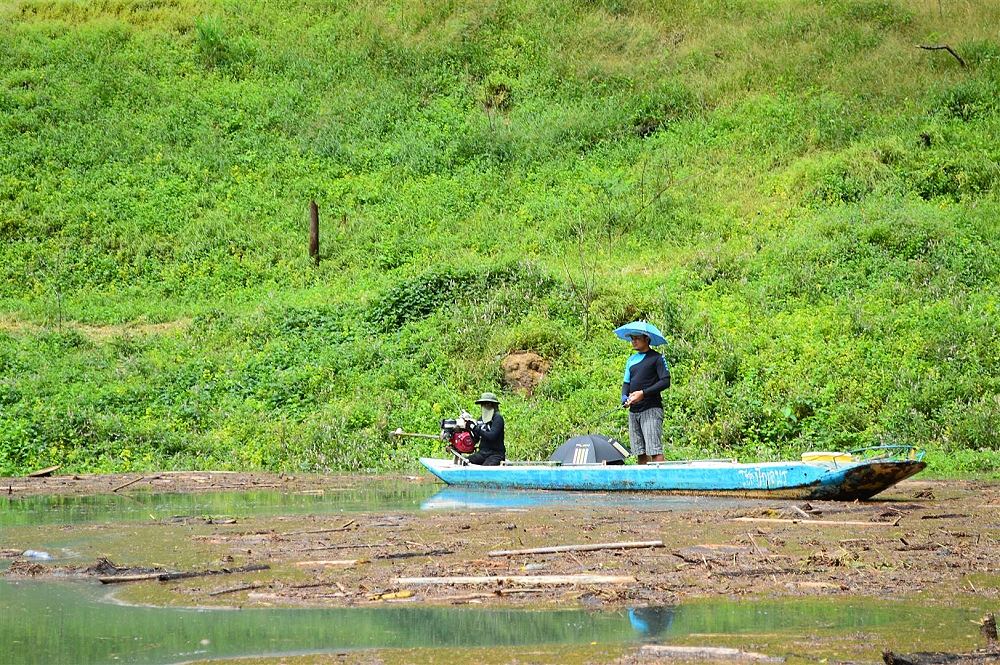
[646, 376]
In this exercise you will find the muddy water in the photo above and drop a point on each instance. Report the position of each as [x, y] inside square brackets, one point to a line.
[372, 497]
[142, 506]
[78, 623]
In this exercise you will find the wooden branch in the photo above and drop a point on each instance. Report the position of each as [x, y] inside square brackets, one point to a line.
[166, 577]
[311, 585]
[345, 527]
[330, 562]
[776, 520]
[116, 579]
[946, 516]
[942, 47]
[706, 653]
[242, 587]
[410, 555]
[578, 548]
[521, 579]
[802, 512]
[467, 597]
[494, 594]
[344, 547]
[132, 482]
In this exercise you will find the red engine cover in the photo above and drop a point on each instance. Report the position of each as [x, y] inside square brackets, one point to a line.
[463, 443]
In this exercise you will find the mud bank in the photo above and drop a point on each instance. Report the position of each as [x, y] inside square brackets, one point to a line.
[938, 538]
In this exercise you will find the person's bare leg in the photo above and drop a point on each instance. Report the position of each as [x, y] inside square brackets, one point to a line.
[643, 459]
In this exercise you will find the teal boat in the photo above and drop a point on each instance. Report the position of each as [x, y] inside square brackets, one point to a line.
[860, 474]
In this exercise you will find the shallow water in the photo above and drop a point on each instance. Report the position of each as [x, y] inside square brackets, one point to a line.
[144, 506]
[372, 497]
[78, 622]
[72, 622]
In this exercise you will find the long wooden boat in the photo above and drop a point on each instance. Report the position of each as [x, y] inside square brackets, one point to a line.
[843, 477]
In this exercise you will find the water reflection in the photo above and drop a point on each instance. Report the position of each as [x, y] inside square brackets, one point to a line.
[67, 623]
[376, 495]
[651, 622]
[71, 623]
[470, 498]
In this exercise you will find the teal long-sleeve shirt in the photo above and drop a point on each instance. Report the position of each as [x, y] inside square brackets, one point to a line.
[649, 373]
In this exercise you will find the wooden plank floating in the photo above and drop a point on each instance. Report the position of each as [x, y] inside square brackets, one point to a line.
[777, 520]
[520, 579]
[555, 549]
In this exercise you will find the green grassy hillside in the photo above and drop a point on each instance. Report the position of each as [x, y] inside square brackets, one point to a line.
[803, 200]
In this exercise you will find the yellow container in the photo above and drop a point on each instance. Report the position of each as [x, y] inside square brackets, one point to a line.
[827, 456]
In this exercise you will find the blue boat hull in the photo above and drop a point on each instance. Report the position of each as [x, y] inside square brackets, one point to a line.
[790, 480]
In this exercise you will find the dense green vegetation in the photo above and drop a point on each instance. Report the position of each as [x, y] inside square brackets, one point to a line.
[804, 202]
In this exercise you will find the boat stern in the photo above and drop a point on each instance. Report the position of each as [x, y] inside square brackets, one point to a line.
[438, 467]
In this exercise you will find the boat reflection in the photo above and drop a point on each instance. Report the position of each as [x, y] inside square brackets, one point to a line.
[457, 498]
[651, 622]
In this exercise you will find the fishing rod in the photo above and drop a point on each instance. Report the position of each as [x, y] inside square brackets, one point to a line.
[604, 416]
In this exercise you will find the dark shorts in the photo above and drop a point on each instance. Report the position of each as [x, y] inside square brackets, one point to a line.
[485, 459]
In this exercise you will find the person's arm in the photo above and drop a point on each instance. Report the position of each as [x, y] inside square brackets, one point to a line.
[625, 384]
[489, 436]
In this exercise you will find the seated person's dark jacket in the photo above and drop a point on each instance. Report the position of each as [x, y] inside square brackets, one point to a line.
[489, 436]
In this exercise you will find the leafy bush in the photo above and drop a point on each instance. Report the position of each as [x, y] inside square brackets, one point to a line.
[967, 101]
[416, 298]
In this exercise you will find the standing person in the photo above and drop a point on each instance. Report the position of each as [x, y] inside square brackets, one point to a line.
[488, 432]
[646, 376]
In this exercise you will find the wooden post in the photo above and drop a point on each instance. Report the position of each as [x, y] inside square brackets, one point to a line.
[314, 231]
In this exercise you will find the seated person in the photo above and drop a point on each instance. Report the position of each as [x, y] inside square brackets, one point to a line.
[488, 432]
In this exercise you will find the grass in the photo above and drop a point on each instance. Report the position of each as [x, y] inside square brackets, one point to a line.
[801, 199]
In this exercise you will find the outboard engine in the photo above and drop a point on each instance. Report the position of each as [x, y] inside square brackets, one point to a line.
[457, 438]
